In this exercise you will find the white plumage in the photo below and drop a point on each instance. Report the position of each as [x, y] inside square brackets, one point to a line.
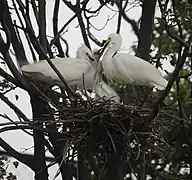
[104, 90]
[74, 70]
[78, 72]
[127, 68]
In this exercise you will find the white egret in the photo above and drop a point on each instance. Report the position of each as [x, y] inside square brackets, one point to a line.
[74, 70]
[127, 68]
[78, 72]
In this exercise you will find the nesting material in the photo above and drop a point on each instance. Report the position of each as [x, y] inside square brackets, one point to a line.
[103, 124]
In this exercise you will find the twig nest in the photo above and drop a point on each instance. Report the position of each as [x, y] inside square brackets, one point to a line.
[103, 124]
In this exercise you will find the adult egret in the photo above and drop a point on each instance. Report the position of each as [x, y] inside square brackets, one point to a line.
[78, 72]
[127, 68]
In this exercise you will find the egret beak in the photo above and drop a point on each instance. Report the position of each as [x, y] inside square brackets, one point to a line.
[91, 58]
[105, 43]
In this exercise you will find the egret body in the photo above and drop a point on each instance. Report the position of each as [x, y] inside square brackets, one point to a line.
[78, 72]
[127, 68]
[74, 70]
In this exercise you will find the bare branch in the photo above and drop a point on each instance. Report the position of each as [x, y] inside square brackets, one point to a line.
[9, 78]
[82, 25]
[55, 28]
[36, 13]
[12, 67]
[66, 24]
[27, 156]
[132, 22]
[75, 9]
[9, 27]
[12, 106]
[119, 16]
[24, 30]
[20, 157]
[91, 36]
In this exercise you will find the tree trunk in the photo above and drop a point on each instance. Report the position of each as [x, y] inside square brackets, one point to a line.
[42, 27]
[38, 109]
[143, 51]
[146, 29]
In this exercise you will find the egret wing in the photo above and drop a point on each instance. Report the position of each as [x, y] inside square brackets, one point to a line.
[72, 69]
[134, 69]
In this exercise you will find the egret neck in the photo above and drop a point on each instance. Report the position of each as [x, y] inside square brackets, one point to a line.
[108, 57]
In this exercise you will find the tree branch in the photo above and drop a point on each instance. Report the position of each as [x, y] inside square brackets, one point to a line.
[20, 157]
[143, 51]
[12, 67]
[171, 81]
[38, 138]
[174, 36]
[9, 78]
[12, 106]
[27, 156]
[120, 4]
[55, 28]
[76, 9]
[19, 51]
[146, 29]
[82, 24]
[132, 22]
[66, 24]
[42, 27]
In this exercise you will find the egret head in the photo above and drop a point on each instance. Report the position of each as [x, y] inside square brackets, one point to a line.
[96, 54]
[114, 40]
[84, 53]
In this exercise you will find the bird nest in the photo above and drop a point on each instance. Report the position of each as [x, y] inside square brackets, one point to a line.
[103, 124]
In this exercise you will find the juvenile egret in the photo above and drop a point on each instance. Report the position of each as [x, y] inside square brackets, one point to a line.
[127, 68]
[78, 72]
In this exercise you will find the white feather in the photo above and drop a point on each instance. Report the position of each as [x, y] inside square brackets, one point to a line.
[79, 72]
[105, 91]
[129, 69]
